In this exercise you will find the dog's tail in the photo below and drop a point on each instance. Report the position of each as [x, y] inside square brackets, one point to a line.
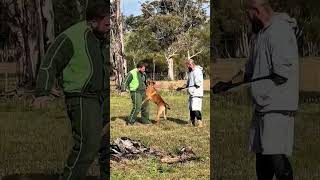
[167, 106]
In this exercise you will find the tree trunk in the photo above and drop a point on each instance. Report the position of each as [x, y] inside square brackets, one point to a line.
[48, 18]
[81, 6]
[170, 69]
[31, 21]
[40, 42]
[118, 47]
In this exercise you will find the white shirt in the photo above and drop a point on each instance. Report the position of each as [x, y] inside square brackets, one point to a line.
[195, 77]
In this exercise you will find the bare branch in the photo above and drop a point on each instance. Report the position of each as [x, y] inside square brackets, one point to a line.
[189, 57]
[170, 54]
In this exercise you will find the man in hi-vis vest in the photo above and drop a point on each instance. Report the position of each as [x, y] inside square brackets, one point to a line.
[80, 55]
[136, 83]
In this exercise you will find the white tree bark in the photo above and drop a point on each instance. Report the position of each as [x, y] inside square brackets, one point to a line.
[170, 69]
[169, 59]
[119, 61]
[48, 16]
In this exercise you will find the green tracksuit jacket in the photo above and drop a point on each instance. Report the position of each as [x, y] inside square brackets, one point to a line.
[81, 58]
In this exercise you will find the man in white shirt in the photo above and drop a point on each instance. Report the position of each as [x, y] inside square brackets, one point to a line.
[195, 90]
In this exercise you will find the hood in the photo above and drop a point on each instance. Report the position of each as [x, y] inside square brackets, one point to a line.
[286, 18]
[292, 22]
[198, 68]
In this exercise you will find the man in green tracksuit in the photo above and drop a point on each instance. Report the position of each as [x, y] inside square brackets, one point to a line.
[136, 82]
[81, 56]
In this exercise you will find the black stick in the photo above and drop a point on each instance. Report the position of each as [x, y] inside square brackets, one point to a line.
[230, 86]
[250, 81]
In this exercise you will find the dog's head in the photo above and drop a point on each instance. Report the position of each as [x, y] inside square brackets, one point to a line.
[150, 83]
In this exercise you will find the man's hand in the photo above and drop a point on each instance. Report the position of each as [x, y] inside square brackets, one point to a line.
[222, 87]
[41, 102]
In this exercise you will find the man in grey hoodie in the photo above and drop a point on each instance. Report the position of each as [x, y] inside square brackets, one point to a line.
[274, 53]
[275, 101]
[195, 90]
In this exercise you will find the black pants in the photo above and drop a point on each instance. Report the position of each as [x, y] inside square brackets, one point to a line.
[269, 165]
[195, 115]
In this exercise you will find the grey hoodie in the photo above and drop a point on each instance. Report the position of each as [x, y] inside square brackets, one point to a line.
[291, 21]
[195, 78]
[275, 51]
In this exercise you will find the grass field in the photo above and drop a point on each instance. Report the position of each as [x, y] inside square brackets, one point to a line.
[169, 136]
[38, 141]
[231, 118]
[34, 141]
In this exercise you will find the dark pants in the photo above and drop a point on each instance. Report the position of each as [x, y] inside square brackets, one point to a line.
[88, 116]
[195, 115]
[269, 165]
[137, 97]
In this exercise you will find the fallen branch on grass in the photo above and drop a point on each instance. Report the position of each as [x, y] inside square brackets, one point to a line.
[124, 148]
[185, 154]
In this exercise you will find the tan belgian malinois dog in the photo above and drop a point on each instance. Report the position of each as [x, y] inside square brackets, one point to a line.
[153, 96]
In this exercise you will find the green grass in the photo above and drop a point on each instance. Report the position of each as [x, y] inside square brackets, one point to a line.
[34, 141]
[232, 160]
[38, 141]
[169, 136]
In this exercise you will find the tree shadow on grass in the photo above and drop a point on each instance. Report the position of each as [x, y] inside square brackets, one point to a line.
[175, 120]
[178, 121]
[39, 177]
[124, 118]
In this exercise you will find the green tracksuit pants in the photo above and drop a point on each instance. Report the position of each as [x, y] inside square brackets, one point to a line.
[88, 115]
[137, 97]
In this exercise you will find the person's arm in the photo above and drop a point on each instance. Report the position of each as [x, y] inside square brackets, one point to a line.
[56, 58]
[126, 82]
[244, 75]
[184, 86]
[198, 79]
[284, 54]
